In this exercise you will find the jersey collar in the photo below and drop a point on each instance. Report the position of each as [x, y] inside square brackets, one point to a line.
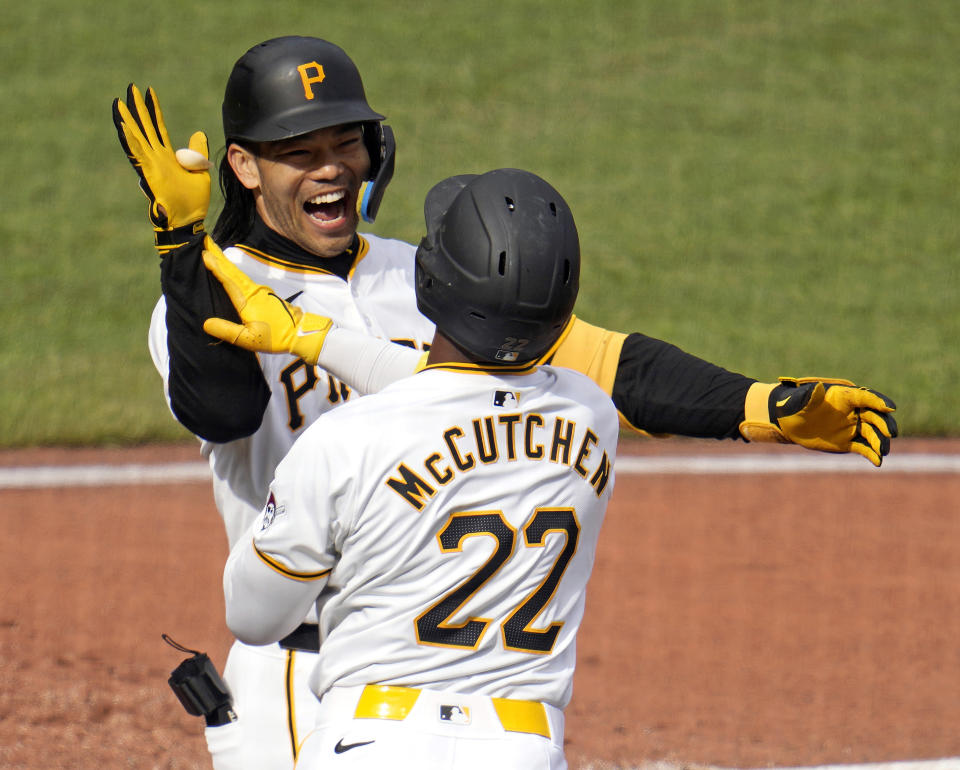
[268, 245]
[495, 369]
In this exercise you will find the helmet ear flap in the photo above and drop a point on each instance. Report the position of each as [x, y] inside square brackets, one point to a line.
[383, 149]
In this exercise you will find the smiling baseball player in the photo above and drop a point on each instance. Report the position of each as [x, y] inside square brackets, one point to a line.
[450, 520]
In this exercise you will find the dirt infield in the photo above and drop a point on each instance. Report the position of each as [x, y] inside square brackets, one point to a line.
[739, 621]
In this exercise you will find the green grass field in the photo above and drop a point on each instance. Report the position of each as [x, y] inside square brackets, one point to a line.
[772, 186]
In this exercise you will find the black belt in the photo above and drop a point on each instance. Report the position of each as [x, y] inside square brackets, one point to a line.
[306, 638]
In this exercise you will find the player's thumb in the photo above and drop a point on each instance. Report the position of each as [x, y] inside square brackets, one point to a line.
[225, 330]
[196, 155]
[198, 143]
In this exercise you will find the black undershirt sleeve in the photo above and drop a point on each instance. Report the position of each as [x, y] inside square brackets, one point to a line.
[661, 389]
[217, 391]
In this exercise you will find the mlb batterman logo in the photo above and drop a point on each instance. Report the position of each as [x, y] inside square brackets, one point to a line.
[510, 349]
[270, 512]
[458, 715]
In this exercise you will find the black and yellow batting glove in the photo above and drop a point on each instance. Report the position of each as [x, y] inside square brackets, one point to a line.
[829, 415]
[177, 184]
[270, 324]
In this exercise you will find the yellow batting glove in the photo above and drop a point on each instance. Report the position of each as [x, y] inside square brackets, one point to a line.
[829, 415]
[270, 324]
[177, 184]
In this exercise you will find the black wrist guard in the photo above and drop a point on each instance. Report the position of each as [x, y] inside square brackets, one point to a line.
[201, 689]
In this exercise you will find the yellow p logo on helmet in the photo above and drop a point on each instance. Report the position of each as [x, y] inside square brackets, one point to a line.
[310, 73]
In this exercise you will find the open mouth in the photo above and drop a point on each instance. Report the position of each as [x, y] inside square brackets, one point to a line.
[328, 207]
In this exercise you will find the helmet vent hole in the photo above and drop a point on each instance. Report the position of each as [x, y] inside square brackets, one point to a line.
[553, 208]
[502, 266]
[478, 316]
[566, 271]
[511, 206]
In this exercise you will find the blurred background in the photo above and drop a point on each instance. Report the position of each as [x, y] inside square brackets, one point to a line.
[771, 185]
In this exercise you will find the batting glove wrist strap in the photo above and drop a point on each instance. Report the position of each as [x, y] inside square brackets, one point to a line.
[167, 239]
[269, 323]
[828, 415]
[177, 184]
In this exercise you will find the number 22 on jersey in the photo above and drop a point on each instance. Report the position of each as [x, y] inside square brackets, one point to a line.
[434, 626]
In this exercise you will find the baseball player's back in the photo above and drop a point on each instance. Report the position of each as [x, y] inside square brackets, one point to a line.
[453, 518]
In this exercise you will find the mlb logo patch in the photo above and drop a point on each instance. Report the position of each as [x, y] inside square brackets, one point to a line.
[457, 715]
[504, 398]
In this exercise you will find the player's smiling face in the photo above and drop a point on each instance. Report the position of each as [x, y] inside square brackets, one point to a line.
[306, 188]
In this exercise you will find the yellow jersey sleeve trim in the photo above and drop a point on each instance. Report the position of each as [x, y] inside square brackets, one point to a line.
[363, 248]
[625, 424]
[286, 571]
[422, 363]
[588, 349]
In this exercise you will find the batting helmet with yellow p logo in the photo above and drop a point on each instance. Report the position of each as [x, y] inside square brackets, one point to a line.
[289, 86]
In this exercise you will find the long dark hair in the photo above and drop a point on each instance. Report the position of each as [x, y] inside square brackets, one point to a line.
[239, 208]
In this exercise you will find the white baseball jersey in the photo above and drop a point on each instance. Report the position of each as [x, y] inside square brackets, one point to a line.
[451, 522]
[378, 299]
[270, 684]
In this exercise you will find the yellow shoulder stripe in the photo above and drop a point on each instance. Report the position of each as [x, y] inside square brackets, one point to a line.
[286, 571]
[588, 349]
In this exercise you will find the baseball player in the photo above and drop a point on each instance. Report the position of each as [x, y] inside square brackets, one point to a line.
[452, 530]
[305, 157]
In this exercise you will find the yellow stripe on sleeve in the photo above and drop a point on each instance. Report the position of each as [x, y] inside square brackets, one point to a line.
[588, 349]
[286, 571]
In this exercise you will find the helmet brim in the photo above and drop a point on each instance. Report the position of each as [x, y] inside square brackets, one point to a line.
[303, 121]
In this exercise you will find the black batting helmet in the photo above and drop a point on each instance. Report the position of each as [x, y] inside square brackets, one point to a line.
[289, 86]
[499, 268]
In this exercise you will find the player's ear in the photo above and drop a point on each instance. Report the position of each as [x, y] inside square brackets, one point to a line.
[244, 165]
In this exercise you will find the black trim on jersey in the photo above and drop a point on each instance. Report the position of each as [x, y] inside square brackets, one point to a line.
[484, 368]
[661, 389]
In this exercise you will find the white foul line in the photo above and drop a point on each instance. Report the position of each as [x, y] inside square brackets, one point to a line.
[786, 463]
[41, 476]
[101, 475]
[952, 763]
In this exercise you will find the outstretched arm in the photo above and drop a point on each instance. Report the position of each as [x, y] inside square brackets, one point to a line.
[216, 391]
[657, 387]
[661, 390]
